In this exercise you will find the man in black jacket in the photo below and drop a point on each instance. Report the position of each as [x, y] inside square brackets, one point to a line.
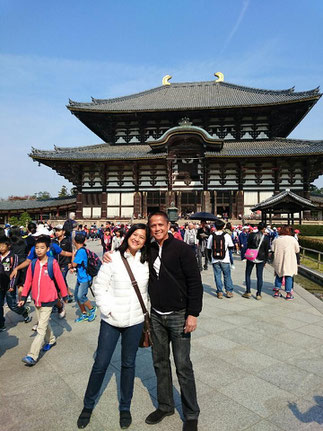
[175, 290]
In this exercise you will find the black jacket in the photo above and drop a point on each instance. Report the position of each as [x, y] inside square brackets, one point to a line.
[253, 242]
[65, 245]
[178, 284]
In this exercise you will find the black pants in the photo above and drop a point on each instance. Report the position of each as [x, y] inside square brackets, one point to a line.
[168, 329]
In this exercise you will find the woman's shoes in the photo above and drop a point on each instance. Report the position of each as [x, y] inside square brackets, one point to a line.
[125, 419]
[84, 418]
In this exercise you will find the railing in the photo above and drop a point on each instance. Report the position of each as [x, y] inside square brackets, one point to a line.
[310, 257]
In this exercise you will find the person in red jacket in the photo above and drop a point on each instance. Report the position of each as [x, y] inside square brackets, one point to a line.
[44, 293]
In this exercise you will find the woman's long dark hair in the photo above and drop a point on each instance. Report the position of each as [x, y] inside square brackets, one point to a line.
[144, 252]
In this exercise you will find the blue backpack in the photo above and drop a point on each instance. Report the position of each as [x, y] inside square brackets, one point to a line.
[49, 267]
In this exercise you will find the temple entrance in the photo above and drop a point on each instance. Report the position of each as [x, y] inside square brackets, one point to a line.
[190, 203]
[155, 201]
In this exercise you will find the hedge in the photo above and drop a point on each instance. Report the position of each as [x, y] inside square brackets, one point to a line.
[309, 230]
[312, 243]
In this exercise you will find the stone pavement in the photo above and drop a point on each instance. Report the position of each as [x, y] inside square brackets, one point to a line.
[258, 367]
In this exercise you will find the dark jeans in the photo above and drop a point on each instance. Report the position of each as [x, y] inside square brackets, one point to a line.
[168, 329]
[12, 304]
[259, 270]
[108, 339]
[64, 273]
[200, 256]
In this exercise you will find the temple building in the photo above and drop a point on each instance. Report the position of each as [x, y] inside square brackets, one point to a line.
[202, 146]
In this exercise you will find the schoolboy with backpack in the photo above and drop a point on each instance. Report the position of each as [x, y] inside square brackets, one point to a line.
[87, 266]
[44, 279]
[218, 246]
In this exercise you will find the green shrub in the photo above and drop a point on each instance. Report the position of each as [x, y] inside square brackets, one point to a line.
[312, 243]
[310, 230]
[14, 221]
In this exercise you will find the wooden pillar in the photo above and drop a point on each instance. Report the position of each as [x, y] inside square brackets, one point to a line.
[79, 206]
[104, 204]
[240, 202]
[137, 209]
[207, 202]
[179, 202]
[144, 204]
[300, 217]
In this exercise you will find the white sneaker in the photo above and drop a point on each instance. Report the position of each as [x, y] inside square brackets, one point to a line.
[34, 328]
[29, 299]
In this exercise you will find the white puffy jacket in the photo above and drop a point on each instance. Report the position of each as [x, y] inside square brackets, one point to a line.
[114, 293]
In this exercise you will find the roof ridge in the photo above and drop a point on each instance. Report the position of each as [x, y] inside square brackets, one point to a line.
[290, 91]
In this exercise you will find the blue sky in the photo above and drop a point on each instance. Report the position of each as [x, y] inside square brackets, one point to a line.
[52, 51]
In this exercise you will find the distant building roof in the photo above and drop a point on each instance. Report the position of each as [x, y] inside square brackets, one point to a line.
[25, 205]
[194, 95]
[285, 200]
[255, 148]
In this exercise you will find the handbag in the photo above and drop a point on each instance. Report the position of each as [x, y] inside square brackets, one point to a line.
[252, 253]
[145, 340]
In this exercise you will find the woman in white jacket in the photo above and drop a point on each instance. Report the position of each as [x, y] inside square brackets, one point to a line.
[121, 314]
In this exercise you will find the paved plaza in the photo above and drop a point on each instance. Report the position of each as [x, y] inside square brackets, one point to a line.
[258, 367]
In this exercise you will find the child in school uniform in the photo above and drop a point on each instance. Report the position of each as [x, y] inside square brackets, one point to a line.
[42, 278]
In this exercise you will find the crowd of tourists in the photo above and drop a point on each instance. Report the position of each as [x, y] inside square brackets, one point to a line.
[155, 267]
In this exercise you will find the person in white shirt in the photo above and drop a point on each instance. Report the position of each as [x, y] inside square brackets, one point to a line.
[121, 314]
[218, 250]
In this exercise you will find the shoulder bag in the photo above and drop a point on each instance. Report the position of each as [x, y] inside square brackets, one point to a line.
[252, 253]
[145, 340]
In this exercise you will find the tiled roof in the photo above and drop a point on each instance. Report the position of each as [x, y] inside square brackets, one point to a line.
[281, 197]
[97, 152]
[35, 204]
[194, 95]
[277, 147]
[317, 198]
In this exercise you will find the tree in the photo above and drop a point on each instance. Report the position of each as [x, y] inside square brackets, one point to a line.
[73, 191]
[315, 190]
[24, 219]
[14, 221]
[42, 195]
[63, 193]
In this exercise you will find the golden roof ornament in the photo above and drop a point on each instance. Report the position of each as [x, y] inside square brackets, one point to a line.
[166, 79]
[220, 77]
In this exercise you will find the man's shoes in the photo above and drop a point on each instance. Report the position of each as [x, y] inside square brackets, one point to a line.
[70, 299]
[48, 346]
[246, 295]
[190, 425]
[229, 294]
[219, 295]
[205, 267]
[157, 416]
[62, 313]
[84, 418]
[28, 360]
[125, 419]
[258, 297]
[34, 328]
